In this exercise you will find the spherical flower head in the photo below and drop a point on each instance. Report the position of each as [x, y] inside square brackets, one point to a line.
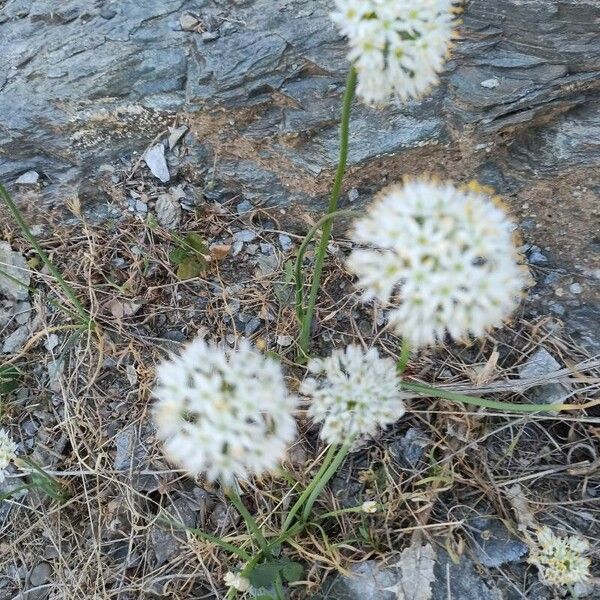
[8, 451]
[236, 581]
[227, 414]
[560, 559]
[353, 392]
[398, 47]
[369, 507]
[443, 258]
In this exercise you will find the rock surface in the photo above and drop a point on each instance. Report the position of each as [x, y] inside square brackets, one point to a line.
[259, 84]
[14, 273]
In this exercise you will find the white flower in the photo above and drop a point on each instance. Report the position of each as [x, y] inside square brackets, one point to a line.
[442, 257]
[236, 581]
[560, 559]
[8, 451]
[358, 392]
[369, 507]
[398, 47]
[227, 414]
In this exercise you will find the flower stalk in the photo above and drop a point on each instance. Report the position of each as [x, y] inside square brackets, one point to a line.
[307, 317]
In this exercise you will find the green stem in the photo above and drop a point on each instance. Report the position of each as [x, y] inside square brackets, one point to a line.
[322, 482]
[308, 491]
[404, 356]
[426, 390]
[16, 213]
[253, 527]
[298, 279]
[333, 203]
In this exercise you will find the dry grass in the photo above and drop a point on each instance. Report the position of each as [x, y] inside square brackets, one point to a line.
[103, 541]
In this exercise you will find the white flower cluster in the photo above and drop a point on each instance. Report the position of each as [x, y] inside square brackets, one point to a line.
[560, 559]
[227, 414]
[443, 256]
[398, 47]
[236, 581]
[353, 393]
[8, 451]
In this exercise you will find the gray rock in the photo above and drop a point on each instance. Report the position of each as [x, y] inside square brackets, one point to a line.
[575, 288]
[23, 313]
[168, 211]
[408, 451]
[251, 326]
[583, 324]
[243, 206]
[494, 545]
[367, 582]
[29, 178]
[71, 86]
[460, 580]
[536, 257]
[13, 266]
[245, 235]
[285, 241]
[175, 135]
[166, 543]
[539, 364]
[40, 574]
[188, 22]
[370, 579]
[16, 340]
[155, 159]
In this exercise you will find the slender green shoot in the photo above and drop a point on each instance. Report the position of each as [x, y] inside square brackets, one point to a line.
[404, 356]
[433, 392]
[324, 479]
[305, 328]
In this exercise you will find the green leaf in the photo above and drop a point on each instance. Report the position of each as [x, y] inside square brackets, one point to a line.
[190, 267]
[194, 241]
[264, 575]
[9, 379]
[292, 571]
[177, 256]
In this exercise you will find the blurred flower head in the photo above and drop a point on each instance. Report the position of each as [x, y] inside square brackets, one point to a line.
[443, 258]
[369, 507]
[398, 47]
[560, 559]
[353, 392]
[236, 581]
[8, 451]
[224, 413]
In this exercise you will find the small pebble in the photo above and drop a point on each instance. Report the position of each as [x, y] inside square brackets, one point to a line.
[51, 342]
[209, 36]
[40, 574]
[29, 178]
[575, 288]
[251, 326]
[266, 248]
[243, 207]
[353, 195]
[284, 340]
[286, 242]
[188, 22]
[245, 235]
[536, 257]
